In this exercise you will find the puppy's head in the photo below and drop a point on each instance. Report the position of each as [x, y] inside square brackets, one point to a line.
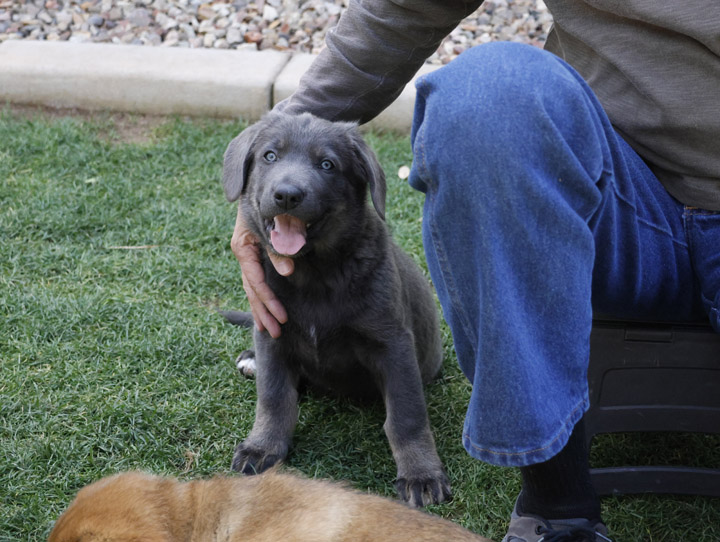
[303, 181]
[121, 508]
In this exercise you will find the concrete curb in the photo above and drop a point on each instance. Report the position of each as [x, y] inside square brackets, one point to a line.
[159, 80]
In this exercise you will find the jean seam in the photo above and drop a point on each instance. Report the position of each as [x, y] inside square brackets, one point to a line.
[688, 220]
[456, 303]
[714, 311]
[696, 211]
[646, 222]
[420, 141]
[442, 259]
[582, 406]
[689, 215]
[687, 226]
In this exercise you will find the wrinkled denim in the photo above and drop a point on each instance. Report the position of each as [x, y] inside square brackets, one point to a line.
[536, 213]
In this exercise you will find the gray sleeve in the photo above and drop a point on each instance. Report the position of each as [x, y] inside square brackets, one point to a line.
[375, 49]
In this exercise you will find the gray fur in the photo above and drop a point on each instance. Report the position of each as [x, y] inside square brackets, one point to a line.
[362, 319]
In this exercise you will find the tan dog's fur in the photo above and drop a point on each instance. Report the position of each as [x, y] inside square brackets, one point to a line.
[271, 507]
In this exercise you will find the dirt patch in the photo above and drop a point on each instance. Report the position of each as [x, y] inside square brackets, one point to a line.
[115, 127]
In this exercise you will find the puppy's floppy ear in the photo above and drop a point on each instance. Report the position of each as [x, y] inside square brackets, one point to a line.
[371, 170]
[237, 161]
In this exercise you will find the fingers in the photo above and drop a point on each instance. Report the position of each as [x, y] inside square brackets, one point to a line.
[268, 315]
[267, 310]
[282, 264]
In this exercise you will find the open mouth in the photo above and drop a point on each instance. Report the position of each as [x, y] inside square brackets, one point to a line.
[288, 234]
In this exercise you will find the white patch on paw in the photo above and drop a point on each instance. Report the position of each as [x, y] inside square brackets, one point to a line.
[246, 366]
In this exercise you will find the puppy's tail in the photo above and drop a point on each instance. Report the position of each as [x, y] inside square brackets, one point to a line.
[238, 318]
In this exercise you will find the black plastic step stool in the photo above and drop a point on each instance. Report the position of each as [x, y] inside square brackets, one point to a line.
[654, 377]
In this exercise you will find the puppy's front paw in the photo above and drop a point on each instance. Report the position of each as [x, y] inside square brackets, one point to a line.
[245, 363]
[249, 459]
[424, 490]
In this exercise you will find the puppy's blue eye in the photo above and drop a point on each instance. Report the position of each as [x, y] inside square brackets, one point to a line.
[327, 165]
[270, 156]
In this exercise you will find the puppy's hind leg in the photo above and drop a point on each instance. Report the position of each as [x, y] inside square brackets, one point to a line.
[246, 364]
[238, 318]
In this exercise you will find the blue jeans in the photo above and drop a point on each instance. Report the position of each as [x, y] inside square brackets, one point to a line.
[536, 212]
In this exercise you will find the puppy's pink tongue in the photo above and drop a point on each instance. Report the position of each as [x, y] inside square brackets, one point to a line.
[288, 235]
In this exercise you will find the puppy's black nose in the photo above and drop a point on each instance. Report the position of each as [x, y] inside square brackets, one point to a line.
[288, 196]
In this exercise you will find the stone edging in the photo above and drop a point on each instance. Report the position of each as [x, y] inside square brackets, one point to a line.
[162, 81]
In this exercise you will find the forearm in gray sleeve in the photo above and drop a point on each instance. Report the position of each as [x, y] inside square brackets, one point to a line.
[375, 49]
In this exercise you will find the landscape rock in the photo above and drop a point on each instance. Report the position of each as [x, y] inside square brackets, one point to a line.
[294, 25]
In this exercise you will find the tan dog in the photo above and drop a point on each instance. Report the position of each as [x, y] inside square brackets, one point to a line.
[271, 507]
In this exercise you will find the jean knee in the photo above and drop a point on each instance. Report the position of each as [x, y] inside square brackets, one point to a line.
[512, 62]
[491, 84]
[505, 103]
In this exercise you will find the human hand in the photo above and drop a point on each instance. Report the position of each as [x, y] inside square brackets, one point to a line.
[267, 310]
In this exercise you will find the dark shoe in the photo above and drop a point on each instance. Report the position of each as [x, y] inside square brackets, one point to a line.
[528, 528]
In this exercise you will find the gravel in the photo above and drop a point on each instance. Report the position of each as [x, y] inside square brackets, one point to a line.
[294, 25]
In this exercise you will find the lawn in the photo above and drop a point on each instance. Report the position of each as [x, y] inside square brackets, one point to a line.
[114, 257]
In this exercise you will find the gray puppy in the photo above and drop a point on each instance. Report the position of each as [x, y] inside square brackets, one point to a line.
[361, 317]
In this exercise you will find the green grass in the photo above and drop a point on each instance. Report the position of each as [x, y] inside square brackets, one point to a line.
[114, 358]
